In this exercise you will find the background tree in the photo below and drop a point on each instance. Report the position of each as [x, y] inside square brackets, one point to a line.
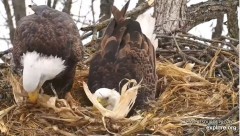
[105, 12]
[215, 59]
[173, 21]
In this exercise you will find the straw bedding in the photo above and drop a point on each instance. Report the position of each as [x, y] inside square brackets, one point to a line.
[189, 104]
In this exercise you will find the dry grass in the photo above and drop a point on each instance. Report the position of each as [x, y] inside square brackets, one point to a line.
[188, 104]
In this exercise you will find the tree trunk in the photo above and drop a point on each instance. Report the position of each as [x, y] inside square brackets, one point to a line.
[105, 12]
[218, 28]
[9, 19]
[49, 3]
[54, 4]
[170, 15]
[19, 9]
[232, 23]
[67, 6]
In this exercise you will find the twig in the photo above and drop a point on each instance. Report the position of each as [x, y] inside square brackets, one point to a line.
[200, 132]
[90, 58]
[5, 52]
[230, 38]
[3, 38]
[209, 40]
[196, 42]
[196, 60]
[93, 12]
[230, 113]
[86, 35]
[9, 18]
[136, 11]
[220, 64]
[174, 51]
[4, 65]
[221, 73]
[54, 4]
[186, 56]
[92, 42]
[178, 48]
[229, 61]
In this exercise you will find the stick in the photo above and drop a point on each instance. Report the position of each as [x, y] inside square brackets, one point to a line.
[136, 11]
[5, 52]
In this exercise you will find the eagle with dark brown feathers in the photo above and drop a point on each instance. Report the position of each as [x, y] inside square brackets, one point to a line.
[126, 53]
[47, 48]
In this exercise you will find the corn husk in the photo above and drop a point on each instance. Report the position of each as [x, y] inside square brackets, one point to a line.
[127, 100]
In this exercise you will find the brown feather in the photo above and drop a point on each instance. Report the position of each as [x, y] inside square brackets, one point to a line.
[50, 32]
[125, 53]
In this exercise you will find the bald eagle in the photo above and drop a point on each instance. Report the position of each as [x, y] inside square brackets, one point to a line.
[46, 48]
[125, 53]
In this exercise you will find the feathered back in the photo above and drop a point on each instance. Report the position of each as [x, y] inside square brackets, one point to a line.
[49, 32]
[125, 53]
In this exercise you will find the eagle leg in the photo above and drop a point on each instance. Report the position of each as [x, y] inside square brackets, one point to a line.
[72, 102]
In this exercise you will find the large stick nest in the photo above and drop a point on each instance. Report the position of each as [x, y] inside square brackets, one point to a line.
[188, 105]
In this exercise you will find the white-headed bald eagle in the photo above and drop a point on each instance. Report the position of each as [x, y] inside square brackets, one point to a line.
[125, 53]
[47, 47]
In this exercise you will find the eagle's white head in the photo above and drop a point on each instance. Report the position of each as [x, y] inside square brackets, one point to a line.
[107, 97]
[37, 69]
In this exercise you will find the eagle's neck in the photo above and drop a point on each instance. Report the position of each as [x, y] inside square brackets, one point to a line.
[38, 68]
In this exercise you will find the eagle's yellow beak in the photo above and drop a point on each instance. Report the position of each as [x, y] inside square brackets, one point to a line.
[33, 96]
[103, 102]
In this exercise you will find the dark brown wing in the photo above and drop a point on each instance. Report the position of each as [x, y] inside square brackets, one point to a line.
[125, 53]
[50, 32]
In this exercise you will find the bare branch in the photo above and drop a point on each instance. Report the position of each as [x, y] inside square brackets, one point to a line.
[205, 11]
[138, 10]
[19, 9]
[105, 12]
[49, 3]
[9, 19]
[218, 28]
[134, 17]
[232, 22]
[5, 52]
[93, 12]
[54, 4]
[67, 6]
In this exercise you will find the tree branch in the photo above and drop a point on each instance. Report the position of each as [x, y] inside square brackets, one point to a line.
[67, 6]
[5, 52]
[19, 9]
[49, 3]
[54, 4]
[136, 11]
[206, 11]
[9, 19]
[218, 28]
[232, 22]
